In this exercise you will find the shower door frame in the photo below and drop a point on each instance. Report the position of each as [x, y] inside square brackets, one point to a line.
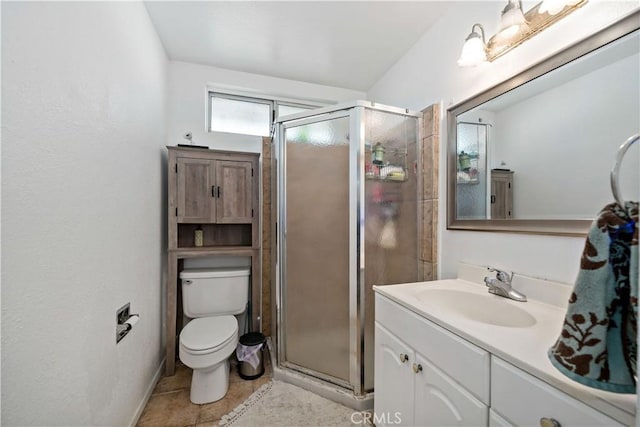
[356, 113]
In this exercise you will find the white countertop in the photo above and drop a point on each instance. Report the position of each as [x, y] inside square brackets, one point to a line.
[524, 347]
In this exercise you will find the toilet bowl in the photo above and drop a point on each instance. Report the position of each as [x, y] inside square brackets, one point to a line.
[205, 346]
[211, 298]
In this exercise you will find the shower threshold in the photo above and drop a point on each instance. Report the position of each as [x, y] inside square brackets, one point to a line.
[321, 388]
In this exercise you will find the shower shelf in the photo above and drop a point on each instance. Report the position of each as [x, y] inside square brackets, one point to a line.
[394, 168]
[465, 178]
[378, 173]
[386, 178]
[389, 151]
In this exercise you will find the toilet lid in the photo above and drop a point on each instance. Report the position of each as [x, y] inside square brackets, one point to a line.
[206, 333]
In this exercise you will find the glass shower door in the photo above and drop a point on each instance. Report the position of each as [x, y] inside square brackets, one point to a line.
[390, 213]
[315, 251]
[472, 179]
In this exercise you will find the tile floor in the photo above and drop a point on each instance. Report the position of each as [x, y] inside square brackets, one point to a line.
[169, 405]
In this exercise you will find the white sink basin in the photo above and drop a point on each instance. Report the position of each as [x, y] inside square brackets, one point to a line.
[484, 308]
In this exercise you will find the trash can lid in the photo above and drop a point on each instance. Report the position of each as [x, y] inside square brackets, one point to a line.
[252, 338]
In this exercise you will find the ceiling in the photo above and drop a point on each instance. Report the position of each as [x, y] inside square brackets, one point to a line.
[343, 44]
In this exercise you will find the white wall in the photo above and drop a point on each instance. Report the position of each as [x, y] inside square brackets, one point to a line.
[562, 161]
[428, 73]
[188, 85]
[83, 133]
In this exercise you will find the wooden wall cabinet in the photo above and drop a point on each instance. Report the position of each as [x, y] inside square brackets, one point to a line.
[214, 191]
[217, 192]
[501, 194]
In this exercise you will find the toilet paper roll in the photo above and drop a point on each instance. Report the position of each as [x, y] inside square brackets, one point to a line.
[131, 321]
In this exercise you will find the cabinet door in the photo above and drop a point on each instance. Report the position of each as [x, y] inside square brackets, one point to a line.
[440, 401]
[393, 403]
[495, 420]
[523, 400]
[501, 195]
[195, 201]
[234, 201]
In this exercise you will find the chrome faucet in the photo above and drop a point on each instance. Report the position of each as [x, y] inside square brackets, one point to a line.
[501, 285]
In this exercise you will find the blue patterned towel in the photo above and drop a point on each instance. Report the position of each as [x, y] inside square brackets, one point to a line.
[597, 346]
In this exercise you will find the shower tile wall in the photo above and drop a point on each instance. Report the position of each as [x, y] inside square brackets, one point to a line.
[429, 227]
[267, 238]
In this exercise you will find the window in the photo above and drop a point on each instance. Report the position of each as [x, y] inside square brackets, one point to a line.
[246, 115]
[286, 109]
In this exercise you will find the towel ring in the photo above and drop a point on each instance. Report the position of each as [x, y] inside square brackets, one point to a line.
[615, 170]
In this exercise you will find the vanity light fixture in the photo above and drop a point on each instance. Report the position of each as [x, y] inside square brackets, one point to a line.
[474, 51]
[553, 7]
[512, 21]
[515, 28]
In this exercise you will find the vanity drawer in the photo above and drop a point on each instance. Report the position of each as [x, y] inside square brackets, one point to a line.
[458, 358]
[523, 400]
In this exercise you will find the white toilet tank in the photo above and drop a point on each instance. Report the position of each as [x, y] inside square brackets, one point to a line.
[214, 291]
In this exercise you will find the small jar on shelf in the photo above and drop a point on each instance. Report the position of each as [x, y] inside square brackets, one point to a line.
[198, 237]
[377, 156]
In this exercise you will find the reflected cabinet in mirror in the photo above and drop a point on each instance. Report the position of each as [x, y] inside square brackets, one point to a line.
[534, 153]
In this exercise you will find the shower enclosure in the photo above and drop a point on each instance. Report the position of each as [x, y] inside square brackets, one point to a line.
[472, 186]
[348, 219]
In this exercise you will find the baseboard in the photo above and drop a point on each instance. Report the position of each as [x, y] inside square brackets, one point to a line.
[147, 394]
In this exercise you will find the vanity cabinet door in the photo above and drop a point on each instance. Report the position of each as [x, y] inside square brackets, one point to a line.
[524, 400]
[440, 401]
[496, 420]
[393, 404]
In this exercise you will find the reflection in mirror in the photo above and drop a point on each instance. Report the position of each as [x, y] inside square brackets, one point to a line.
[472, 169]
[544, 149]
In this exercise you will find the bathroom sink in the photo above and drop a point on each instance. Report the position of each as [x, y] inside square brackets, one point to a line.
[484, 308]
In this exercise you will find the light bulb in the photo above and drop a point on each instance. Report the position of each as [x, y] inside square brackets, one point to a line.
[512, 21]
[474, 51]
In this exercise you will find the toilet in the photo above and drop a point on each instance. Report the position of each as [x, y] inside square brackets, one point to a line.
[211, 298]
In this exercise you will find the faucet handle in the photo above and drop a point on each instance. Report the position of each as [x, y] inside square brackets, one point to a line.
[502, 275]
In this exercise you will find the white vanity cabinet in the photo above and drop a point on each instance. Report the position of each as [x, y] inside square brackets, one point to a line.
[522, 400]
[394, 379]
[439, 379]
[426, 375]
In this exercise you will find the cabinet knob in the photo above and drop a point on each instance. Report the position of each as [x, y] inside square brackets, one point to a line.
[417, 368]
[549, 422]
[403, 357]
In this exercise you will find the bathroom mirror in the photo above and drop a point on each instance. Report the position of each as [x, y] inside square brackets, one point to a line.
[533, 154]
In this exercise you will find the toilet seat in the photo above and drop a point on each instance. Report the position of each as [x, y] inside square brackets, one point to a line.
[207, 334]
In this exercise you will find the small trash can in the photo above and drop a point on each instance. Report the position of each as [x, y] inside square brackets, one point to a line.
[250, 355]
